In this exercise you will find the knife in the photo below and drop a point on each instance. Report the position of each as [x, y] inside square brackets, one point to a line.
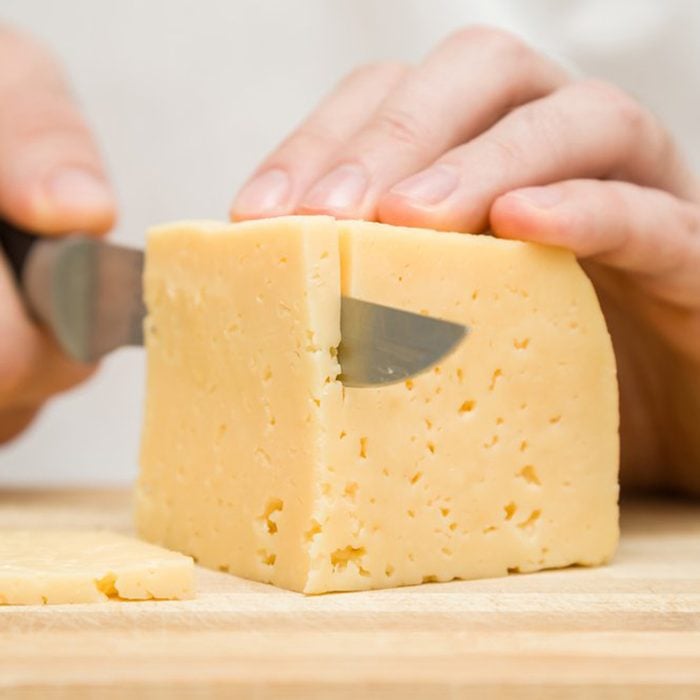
[89, 293]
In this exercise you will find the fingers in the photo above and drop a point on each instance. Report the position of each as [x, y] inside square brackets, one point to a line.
[278, 184]
[639, 230]
[51, 176]
[14, 421]
[51, 181]
[19, 347]
[32, 367]
[585, 130]
[462, 88]
[386, 122]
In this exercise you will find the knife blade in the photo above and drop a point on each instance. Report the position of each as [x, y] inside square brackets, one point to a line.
[89, 293]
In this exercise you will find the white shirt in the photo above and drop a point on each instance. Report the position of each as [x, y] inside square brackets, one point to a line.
[188, 95]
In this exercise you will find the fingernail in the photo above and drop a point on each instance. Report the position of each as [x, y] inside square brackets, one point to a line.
[341, 190]
[541, 197]
[264, 194]
[78, 189]
[430, 186]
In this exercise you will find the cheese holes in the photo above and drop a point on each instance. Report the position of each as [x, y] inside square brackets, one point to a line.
[529, 474]
[266, 558]
[314, 529]
[491, 443]
[350, 490]
[107, 585]
[363, 448]
[269, 515]
[531, 520]
[341, 557]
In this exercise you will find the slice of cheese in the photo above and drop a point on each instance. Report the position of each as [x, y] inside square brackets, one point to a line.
[257, 461]
[48, 567]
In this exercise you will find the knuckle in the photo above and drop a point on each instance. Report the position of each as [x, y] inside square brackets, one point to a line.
[618, 195]
[689, 217]
[401, 127]
[507, 152]
[29, 57]
[641, 131]
[627, 110]
[312, 138]
[386, 70]
[38, 117]
[12, 39]
[492, 40]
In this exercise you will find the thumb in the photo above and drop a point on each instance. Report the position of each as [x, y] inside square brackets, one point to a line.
[51, 176]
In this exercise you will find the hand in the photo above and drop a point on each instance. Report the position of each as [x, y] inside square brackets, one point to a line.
[487, 132]
[51, 182]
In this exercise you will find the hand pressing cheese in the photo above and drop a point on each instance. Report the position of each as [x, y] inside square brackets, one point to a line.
[257, 461]
[49, 567]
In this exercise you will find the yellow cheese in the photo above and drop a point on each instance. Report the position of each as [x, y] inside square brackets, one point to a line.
[255, 460]
[49, 567]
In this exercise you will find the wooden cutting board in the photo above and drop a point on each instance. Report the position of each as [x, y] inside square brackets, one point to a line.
[628, 630]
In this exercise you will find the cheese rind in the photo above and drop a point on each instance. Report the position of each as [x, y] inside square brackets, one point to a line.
[50, 567]
[502, 458]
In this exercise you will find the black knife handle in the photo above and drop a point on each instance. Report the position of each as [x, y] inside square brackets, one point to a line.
[15, 244]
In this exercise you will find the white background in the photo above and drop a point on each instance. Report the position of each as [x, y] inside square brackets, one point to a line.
[187, 95]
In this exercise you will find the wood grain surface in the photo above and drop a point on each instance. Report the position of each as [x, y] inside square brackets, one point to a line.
[629, 630]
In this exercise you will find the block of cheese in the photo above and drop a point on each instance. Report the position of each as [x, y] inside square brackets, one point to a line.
[256, 460]
[49, 567]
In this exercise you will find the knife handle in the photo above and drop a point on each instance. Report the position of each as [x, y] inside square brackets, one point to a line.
[16, 244]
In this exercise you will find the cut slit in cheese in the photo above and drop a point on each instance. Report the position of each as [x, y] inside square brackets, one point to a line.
[49, 567]
[256, 460]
